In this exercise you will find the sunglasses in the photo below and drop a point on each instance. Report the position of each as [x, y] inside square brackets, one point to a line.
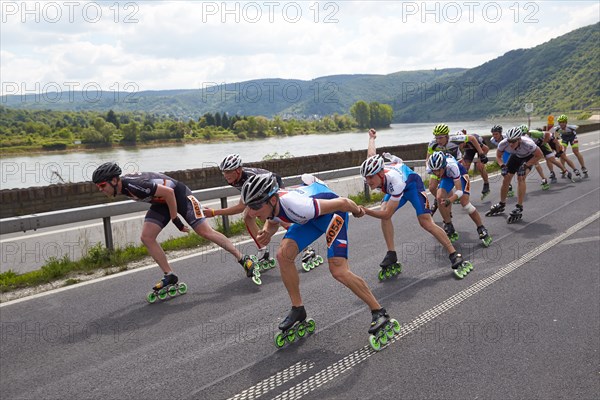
[513, 140]
[101, 185]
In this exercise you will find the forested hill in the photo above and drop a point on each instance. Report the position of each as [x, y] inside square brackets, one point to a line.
[559, 75]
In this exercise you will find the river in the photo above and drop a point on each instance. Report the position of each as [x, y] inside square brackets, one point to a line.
[45, 169]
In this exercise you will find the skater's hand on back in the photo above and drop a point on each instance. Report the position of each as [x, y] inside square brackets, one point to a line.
[359, 213]
[208, 212]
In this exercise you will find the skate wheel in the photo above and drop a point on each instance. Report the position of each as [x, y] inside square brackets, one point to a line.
[383, 339]
[387, 273]
[381, 275]
[291, 336]
[458, 273]
[305, 267]
[389, 332]
[279, 340]
[395, 326]
[151, 297]
[183, 288]
[310, 325]
[272, 263]
[301, 330]
[172, 291]
[398, 268]
[320, 260]
[256, 279]
[374, 342]
[162, 294]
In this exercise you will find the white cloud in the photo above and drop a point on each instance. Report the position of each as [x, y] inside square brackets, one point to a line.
[185, 44]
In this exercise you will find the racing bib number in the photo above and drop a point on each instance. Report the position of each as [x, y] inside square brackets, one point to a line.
[333, 230]
[196, 205]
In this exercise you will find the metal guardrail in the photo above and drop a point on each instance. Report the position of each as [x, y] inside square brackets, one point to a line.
[106, 211]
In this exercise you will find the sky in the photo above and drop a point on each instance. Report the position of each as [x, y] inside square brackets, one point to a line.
[48, 46]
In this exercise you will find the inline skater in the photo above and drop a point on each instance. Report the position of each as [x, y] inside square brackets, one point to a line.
[469, 153]
[454, 179]
[497, 137]
[450, 144]
[568, 136]
[168, 198]
[236, 175]
[523, 156]
[400, 185]
[313, 210]
[544, 183]
[543, 139]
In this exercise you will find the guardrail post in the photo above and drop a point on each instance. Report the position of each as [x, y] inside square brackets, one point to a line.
[367, 193]
[108, 239]
[225, 217]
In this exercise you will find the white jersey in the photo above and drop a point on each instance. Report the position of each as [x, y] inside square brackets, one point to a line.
[452, 168]
[524, 149]
[301, 204]
[395, 178]
[495, 142]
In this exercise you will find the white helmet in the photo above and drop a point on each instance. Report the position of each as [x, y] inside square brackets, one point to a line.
[371, 165]
[436, 161]
[514, 133]
[231, 162]
[258, 189]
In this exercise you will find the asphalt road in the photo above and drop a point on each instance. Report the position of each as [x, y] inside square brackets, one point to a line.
[524, 324]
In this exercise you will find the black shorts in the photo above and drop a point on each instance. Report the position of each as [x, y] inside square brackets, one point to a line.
[189, 209]
[515, 162]
[469, 155]
[546, 150]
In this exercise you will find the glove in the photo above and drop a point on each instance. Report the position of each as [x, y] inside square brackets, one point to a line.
[177, 222]
[523, 169]
[503, 169]
[447, 202]
[559, 153]
[483, 158]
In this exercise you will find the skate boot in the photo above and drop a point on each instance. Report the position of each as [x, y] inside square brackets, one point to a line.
[496, 209]
[577, 174]
[382, 329]
[434, 207]
[451, 232]
[563, 174]
[584, 171]
[389, 266]
[511, 192]
[294, 325]
[265, 262]
[310, 259]
[168, 286]
[484, 236]
[545, 185]
[459, 265]
[485, 191]
[553, 179]
[516, 214]
[250, 265]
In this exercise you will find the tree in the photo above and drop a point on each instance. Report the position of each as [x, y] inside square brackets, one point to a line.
[360, 112]
[130, 132]
[112, 118]
[381, 115]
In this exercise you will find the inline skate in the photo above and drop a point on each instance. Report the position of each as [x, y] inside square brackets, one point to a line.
[250, 265]
[168, 286]
[516, 214]
[451, 232]
[382, 329]
[265, 262]
[567, 175]
[310, 259]
[544, 184]
[553, 179]
[577, 175]
[484, 236]
[294, 326]
[511, 192]
[460, 266]
[584, 171]
[485, 191]
[389, 266]
[496, 209]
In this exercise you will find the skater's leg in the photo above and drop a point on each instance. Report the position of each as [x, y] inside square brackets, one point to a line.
[465, 202]
[387, 228]
[338, 266]
[150, 232]
[286, 254]
[444, 210]
[575, 148]
[206, 231]
[521, 189]
[427, 223]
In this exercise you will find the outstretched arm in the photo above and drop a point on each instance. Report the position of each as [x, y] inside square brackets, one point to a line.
[343, 204]
[372, 149]
[385, 212]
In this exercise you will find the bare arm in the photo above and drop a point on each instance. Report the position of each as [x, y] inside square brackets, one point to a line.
[168, 195]
[385, 212]
[475, 144]
[343, 204]
[233, 210]
[372, 149]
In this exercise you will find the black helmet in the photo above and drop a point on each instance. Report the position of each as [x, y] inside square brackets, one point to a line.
[258, 189]
[497, 128]
[105, 172]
